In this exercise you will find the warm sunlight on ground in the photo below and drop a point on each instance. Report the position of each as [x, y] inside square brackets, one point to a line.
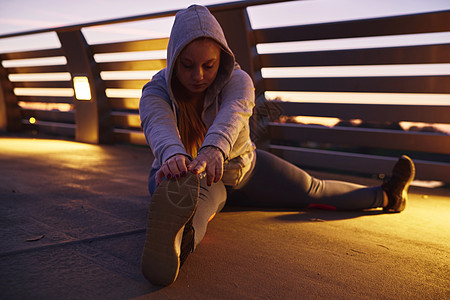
[43, 146]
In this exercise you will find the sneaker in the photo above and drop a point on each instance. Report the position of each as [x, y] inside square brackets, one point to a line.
[396, 187]
[187, 242]
[173, 205]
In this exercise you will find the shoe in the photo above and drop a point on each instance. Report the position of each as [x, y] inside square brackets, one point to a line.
[187, 242]
[396, 187]
[173, 205]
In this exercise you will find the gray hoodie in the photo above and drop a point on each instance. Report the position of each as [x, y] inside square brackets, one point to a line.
[228, 104]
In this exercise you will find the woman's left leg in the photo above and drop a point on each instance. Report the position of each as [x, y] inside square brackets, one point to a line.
[278, 183]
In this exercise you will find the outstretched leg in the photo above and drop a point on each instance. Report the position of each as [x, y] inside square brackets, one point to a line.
[173, 205]
[179, 212]
[211, 201]
[278, 183]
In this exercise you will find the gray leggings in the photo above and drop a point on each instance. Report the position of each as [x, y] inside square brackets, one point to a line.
[277, 183]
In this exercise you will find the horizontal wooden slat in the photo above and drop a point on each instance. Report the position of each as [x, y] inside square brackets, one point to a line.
[410, 84]
[362, 137]
[368, 112]
[53, 128]
[124, 103]
[360, 163]
[50, 116]
[125, 84]
[142, 45]
[409, 24]
[44, 84]
[45, 99]
[138, 65]
[129, 136]
[377, 56]
[38, 69]
[126, 120]
[32, 54]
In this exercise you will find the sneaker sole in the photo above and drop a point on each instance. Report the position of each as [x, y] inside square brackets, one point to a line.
[173, 204]
[402, 204]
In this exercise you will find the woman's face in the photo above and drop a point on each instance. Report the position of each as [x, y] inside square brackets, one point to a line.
[197, 65]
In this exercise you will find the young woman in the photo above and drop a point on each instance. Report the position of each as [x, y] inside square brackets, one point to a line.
[195, 115]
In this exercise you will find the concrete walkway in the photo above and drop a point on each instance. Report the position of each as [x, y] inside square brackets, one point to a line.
[72, 225]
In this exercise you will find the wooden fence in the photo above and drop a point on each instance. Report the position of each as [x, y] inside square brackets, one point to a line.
[106, 119]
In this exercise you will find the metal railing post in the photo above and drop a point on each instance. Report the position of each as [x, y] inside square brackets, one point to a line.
[93, 119]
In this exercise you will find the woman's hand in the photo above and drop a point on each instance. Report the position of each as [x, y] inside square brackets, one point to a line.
[209, 160]
[175, 166]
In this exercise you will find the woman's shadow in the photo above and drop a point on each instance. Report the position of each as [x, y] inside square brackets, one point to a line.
[307, 214]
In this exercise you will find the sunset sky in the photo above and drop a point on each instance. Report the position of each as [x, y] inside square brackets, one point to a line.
[24, 15]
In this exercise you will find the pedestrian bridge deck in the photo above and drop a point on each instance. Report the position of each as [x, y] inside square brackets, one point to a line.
[73, 221]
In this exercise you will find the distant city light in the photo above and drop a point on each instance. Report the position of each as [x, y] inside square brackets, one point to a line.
[82, 88]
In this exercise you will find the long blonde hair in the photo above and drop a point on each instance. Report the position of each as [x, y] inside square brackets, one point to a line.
[191, 127]
[190, 124]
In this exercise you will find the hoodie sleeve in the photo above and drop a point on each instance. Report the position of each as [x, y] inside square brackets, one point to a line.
[238, 100]
[158, 121]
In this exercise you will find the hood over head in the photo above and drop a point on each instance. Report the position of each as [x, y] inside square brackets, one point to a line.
[192, 23]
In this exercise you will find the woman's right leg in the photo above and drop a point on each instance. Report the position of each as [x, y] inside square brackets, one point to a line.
[278, 183]
[179, 212]
[211, 200]
[172, 205]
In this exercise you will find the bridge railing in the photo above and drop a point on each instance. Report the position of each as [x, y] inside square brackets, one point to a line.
[50, 105]
[373, 146]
